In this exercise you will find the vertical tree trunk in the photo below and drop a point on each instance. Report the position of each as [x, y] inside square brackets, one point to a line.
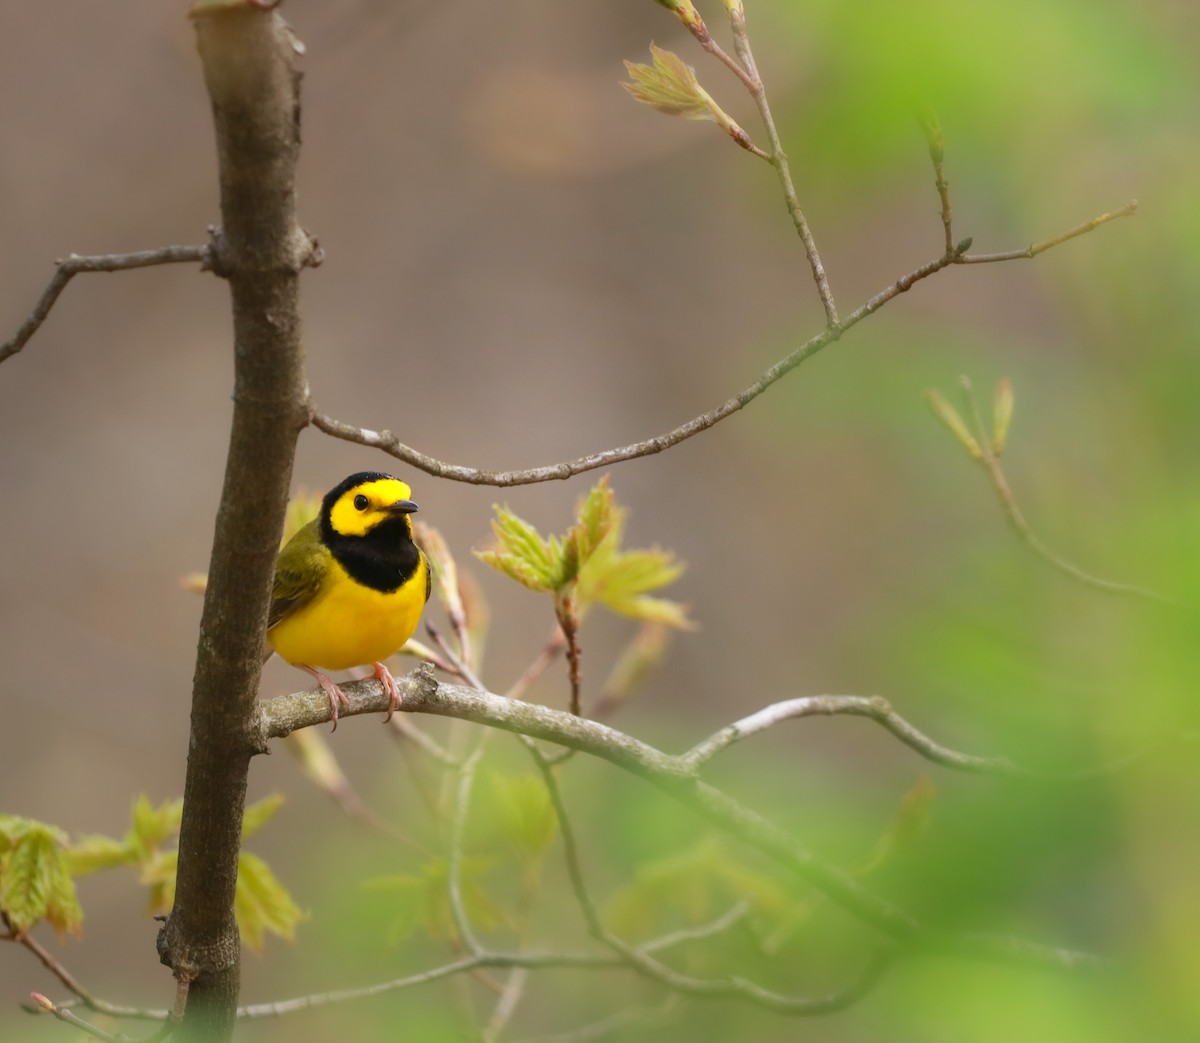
[248, 55]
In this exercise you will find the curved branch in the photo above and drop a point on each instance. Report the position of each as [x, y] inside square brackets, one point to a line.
[673, 775]
[873, 707]
[69, 981]
[75, 264]
[879, 710]
[390, 444]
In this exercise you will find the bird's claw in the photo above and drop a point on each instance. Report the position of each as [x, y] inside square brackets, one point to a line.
[391, 687]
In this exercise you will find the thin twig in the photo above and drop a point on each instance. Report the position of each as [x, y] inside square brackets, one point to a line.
[700, 31]
[68, 980]
[880, 711]
[731, 64]
[462, 804]
[641, 961]
[732, 916]
[457, 664]
[873, 707]
[388, 442]
[937, 153]
[405, 729]
[1021, 527]
[568, 622]
[75, 264]
[506, 1005]
[422, 652]
[990, 462]
[779, 160]
[74, 1020]
[1034, 249]
[533, 961]
[552, 649]
[64, 1014]
[457, 738]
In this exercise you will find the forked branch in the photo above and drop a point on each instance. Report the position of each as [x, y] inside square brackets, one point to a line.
[676, 777]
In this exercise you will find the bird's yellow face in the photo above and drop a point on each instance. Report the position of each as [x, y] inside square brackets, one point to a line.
[368, 504]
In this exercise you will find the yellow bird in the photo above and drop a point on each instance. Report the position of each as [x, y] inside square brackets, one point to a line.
[350, 586]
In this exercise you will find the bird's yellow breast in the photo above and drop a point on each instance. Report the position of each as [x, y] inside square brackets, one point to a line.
[347, 624]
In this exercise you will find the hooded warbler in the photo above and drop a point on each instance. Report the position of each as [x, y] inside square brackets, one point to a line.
[350, 586]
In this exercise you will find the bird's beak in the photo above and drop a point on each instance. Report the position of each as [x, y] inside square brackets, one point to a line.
[403, 507]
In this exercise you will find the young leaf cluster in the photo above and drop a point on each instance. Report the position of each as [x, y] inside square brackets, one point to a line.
[670, 86]
[587, 566]
[587, 563]
[40, 863]
[35, 879]
[952, 420]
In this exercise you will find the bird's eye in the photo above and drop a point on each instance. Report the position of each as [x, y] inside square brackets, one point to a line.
[361, 502]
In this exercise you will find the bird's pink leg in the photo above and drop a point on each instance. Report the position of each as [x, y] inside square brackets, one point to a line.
[335, 694]
[389, 685]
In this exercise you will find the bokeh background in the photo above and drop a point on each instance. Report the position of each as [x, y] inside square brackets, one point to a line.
[524, 266]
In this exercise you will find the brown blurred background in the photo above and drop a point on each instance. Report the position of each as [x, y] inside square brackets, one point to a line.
[524, 266]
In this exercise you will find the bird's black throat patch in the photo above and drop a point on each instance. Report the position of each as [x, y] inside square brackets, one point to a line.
[384, 559]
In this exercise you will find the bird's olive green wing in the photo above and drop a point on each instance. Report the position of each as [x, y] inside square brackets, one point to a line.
[299, 572]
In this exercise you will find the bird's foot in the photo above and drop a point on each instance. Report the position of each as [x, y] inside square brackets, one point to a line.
[391, 687]
[336, 695]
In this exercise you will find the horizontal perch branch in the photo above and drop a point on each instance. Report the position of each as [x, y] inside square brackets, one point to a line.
[674, 775]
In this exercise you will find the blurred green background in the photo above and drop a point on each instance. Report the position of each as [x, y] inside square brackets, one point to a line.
[524, 266]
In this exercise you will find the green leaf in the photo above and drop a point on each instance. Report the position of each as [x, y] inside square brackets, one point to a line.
[405, 903]
[254, 817]
[1002, 413]
[421, 900]
[954, 423]
[620, 581]
[262, 904]
[586, 565]
[63, 912]
[34, 881]
[596, 516]
[525, 811]
[665, 890]
[514, 568]
[302, 509]
[668, 86]
[158, 873]
[524, 554]
[522, 540]
[571, 558]
[775, 914]
[909, 822]
[150, 826]
[92, 853]
[11, 828]
[696, 885]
